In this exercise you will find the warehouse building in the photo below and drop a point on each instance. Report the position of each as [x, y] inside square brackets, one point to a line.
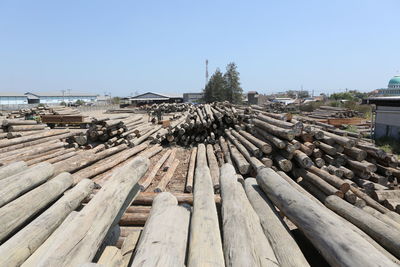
[154, 98]
[13, 99]
[192, 97]
[387, 116]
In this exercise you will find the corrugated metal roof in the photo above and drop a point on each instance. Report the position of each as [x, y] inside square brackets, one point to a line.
[11, 94]
[56, 93]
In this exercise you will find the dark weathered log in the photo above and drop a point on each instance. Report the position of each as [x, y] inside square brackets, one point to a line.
[225, 150]
[240, 161]
[190, 174]
[214, 168]
[263, 146]
[149, 178]
[284, 164]
[302, 159]
[331, 179]
[162, 184]
[281, 132]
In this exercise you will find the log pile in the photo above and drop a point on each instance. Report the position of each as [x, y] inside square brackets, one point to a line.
[19, 127]
[43, 110]
[325, 112]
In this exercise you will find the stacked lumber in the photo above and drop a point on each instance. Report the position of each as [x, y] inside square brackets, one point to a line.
[325, 112]
[167, 107]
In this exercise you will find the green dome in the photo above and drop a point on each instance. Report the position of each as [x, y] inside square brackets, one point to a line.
[395, 80]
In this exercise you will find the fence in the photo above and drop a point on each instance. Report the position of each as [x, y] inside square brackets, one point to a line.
[10, 107]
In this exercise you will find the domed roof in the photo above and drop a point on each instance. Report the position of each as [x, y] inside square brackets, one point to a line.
[395, 80]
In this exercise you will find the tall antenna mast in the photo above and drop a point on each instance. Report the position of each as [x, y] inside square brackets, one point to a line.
[206, 72]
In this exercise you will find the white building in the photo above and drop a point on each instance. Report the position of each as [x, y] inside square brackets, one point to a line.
[44, 98]
[13, 99]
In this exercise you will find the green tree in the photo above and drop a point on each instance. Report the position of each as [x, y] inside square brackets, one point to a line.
[215, 88]
[233, 91]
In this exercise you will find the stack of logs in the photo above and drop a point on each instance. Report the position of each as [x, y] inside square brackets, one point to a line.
[17, 128]
[325, 112]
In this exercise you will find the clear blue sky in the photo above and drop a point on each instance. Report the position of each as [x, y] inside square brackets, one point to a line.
[129, 46]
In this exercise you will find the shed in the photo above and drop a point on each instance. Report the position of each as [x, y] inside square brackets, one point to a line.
[155, 98]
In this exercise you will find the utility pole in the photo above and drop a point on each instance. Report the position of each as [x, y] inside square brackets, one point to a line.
[63, 95]
[206, 73]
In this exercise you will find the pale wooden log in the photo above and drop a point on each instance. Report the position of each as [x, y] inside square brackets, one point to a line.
[205, 246]
[149, 178]
[26, 149]
[287, 134]
[111, 257]
[17, 212]
[190, 174]
[170, 159]
[249, 246]
[62, 157]
[87, 231]
[51, 155]
[21, 245]
[213, 166]
[15, 141]
[302, 159]
[240, 162]
[382, 217]
[382, 233]
[107, 163]
[246, 143]
[285, 247]
[382, 195]
[162, 184]
[128, 247]
[337, 243]
[17, 184]
[152, 151]
[12, 168]
[86, 158]
[225, 150]
[263, 146]
[271, 138]
[142, 138]
[164, 237]
[20, 128]
[18, 122]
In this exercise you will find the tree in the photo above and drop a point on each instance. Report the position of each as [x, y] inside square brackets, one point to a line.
[215, 88]
[233, 91]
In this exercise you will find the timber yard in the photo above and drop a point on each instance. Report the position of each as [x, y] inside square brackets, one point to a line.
[174, 184]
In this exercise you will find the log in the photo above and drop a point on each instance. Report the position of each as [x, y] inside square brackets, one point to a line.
[162, 184]
[19, 140]
[302, 159]
[225, 150]
[382, 233]
[87, 231]
[21, 245]
[263, 146]
[287, 134]
[16, 213]
[331, 179]
[51, 155]
[134, 219]
[17, 184]
[382, 195]
[128, 247]
[205, 246]
[247, 144]
[382, 217]
[12, 168]
[190, 174]
[18, 122]
[107, 163]
[149, 178]
[213, 166]
[111, 257]
[284, 245]
[280, 144]
[152, 151]
[240, 162]
[170, 160]
[146, 198]
[249, 246]
[21, 128]
[338, 244]
[283, 163]
[355, 153]
[164, 237]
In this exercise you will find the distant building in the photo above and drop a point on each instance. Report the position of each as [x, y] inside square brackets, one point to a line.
[192, 97]
[154, 98]
[252, 97]
[284, 100]
[13, 99]
[44, 98]
[387, 119]
[393, 87]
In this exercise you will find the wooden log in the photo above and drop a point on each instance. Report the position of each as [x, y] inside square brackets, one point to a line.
[128, 247]
[382, 217]
[17, 212]
[170, 160]
[152, 151]
[164, 237]
[284, 245]
[240, 161]
[21, 245]
[17, 184]
[52, 154]
[248, 247]
[162, 184]
[284, 164]
[279, 143]
[331, 179]
[330, 235]
[87, 231]
[205, 246]
[382, 233]
[21, 128]
[134, 219]
[302, 159]
[107, 163]
[382, 195]
[149, 178]
[361, 165]
[12, 168]
[287, 134]
[190, 174]
[320, 183]
[59, 158]
[355, 153]
[111, 257]
[263, 146]
[24, 139]
[330, 150]
[213, 166]
[247, 144]
[225, 150]
[18, 122]
[146, 198]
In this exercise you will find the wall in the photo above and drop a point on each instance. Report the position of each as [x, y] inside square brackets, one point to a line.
[13, 100]
[387, 122]
[66, 99]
